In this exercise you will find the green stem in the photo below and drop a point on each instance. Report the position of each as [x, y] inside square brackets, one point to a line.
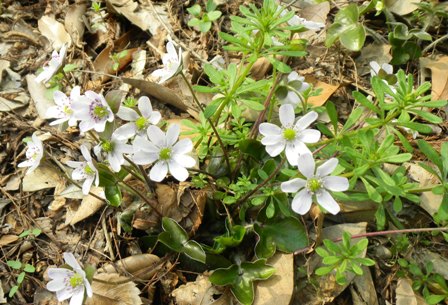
[133, 190]
[389, 232]
[426, 188]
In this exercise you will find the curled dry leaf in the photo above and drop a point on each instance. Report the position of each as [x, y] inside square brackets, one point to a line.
[142, 266]
[89, 206]
[43, 177]
[54, 31]
[199, 292]
[74, 23]
[105, 64]
[113, 289]
[404, 294]
[439, 75]
[8, 239]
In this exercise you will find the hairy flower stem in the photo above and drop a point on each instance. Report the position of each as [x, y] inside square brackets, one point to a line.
[226, 157]
[390, 232]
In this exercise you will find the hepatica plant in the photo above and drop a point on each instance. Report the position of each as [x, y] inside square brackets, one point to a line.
[260, 152]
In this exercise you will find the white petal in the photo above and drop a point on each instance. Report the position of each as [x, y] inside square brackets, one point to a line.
[309, 136]
[85, 153]
[87, 185]
[100, 126]
[170, 49]
[54, 112]
[294, 76]
[144, 158]
[334, 183]
[291, 98]
[158, 171]
[85, 126]
[306, 120]
[88, 288]
[183, 146]
[26, 163]
[145, 107]
[155, 117]
[145, 145]
[327, 168]
[268, 129]
[127, 114]
[114, 162]
[275, 150]
[59, 273]
[70, 259]
[60, 98]
[55, 285]
[79, 173]
[293, 185]
[287, 116]
[78, 296]
[327, 202]
[156, 136]
[185, 160]
[389, 69]
[59, 121]
[64, 294]
[126, 131]
[301, 203]
[306, 165]
[179, 172]
[172, 134]
[301, 148]
[272, 140]
[374, 68]
[75, 93]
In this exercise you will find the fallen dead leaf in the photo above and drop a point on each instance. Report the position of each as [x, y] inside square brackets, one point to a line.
[326, 93]
[439, 75]
[8, 239]
[38, 93]
[104, 64]
[404, 294]
[142, 266]
[113, 290]
[43, 177]
[401, 7]
[73, 22]
[378, 52]
[199, 292]
[54, 31]
[363, 289]
[89, 206]
[278, 289]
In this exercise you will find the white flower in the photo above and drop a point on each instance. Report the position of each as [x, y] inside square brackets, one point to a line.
[69, 283]
[63, 111]
[317, 183]
[114, 150]
[172, 63]
[137, 123]
[34, 153]
[290, 92]
[291, 137]
[85, 171]
[53, 65]
[296, 20]
[385, 72]
[170, 156]
[93, 112]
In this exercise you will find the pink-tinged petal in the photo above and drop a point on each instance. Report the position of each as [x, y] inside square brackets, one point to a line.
[64, 294]
[56, 285]
[145, 107]
[127, 114]
[60, 98]
[287, 115]
[155, 117]
[172, 134]
[272, 140]
[306, 165]
[306, 120]
[268, 129]
[327, 202]
[143, 158]
[327, 168]
[85, 126]
[183, 146]
[309, 136]
[70, 259]
[293, 185]
[335, 183]
[292, 154]
[87, 185]
[184, 160]
[275, 150]
[85, 153]
[156, 136]
[79, 173]
[54, 112]
[177, 171]
[301, 203]
[126, 131]
[158, 171]
[59, 273]
[78, 296]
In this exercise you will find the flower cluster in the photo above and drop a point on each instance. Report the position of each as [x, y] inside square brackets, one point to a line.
[69, 283]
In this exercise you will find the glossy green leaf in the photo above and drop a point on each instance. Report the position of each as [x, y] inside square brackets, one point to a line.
[353, 37]
[113, 195]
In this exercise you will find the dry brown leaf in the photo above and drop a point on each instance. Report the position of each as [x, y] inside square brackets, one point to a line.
[54, 31]
[142, 266]
[365, 289]
[401, 7]
[404, 294]
[378, 52]
[199, 292]
[7, 239]
[43, 177]
[125, 293]
[326, 93]
[73, 22]
[89, 206]
[439, 75]
[278, 289]
[104, 64]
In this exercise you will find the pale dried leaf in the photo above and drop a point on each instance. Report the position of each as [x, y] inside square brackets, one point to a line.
[439, 75]
[2, 294]
[326, 93]
[114, 292]
[43, 177]
[278, 289]
[89, 206]
[142, 266]
[440, 263]
[199, 292]
[73, 22]
[401, 7]
[104, 64]
[54, 31]
[38, 93]
[404, 294]
[20, 99]
[364, 289]
[7, 239]
[378, 52]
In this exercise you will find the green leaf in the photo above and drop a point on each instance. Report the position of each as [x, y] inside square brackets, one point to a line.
[254, 105]
[332, 114]
[36, 232]
[430, 153]
[13, 291]
[373, 193]
[205, 26]
[29, 268]
[17, 265]
[357, 269]
[114, 99]
[214, 15]
[253, 148]
[113, 195]
[435, 299]
[211, 5]
[20, 278]
[279, 65]
[194, 250]
[427, 116]
[331, 260]
[353, 118]
[195, 10]
[400, 158]
[224, 276]
[324, 270]
[194, 22]
[353, 37]
[364, 101]
[416, 126]
[211, 108]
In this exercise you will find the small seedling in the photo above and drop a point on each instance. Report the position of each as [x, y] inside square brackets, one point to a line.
[203, 20]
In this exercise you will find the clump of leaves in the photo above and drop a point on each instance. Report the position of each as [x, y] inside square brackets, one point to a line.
[343, 257]
[203, 20]
[23, 268]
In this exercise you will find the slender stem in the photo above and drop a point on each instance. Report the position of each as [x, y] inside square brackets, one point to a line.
[434, 43]
[142, 196]
[226, 157]
[426, 188]
[389, 232]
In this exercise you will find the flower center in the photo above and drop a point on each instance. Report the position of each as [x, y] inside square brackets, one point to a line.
[107, 146]
[67, 110]
[76, 280]
[88, 170]
[141, 123]
[314, 184]
[289, 134]
[100, 111]
[165, 154]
